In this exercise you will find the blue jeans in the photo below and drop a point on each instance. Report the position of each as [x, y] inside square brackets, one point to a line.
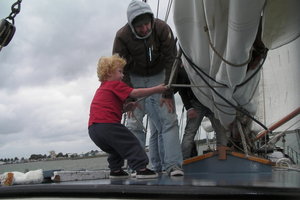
[156, 151]
[192, 126]
[190, 131]
[164, 145]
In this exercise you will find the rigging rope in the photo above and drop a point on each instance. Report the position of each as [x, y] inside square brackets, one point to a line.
[206, 30]
[243, 138]
[181, 122]
[198, 68]
[276, 137]
[252, 95]
[168, 10]
[157, 8]
[221, 57]
[256, 71]
[240, 109]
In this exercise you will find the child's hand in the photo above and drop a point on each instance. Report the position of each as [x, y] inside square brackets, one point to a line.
[161, 88]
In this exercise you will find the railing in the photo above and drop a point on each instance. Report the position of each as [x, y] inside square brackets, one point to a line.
[278, 124]
[293, 154]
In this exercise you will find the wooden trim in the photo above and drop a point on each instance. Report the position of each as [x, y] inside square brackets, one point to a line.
[236, 154]
[278, 123]
[252, 158]
[197, 158]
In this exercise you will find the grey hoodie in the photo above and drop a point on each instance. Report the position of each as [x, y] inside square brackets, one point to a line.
[135, 50]
[135, 9]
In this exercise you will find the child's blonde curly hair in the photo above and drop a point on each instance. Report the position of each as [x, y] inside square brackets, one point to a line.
[107, 64]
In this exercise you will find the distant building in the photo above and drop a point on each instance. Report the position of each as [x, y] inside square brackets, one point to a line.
[72, 155]
[52, 154]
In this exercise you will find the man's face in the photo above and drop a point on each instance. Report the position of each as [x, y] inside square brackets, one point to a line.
[143, 29]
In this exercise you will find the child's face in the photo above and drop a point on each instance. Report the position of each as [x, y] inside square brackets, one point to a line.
[117, 75]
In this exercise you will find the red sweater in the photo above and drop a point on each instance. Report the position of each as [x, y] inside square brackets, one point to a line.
[107, 104]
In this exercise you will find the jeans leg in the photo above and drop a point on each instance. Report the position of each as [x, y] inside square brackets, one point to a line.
[220, 131]
[190, 131]
[166, 123]
[135, 124]
[168, 133]
[155, 149]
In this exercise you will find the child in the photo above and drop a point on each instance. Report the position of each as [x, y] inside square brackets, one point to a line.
[105, 128]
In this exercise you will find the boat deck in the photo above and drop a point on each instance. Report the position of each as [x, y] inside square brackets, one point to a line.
[279, 183]
[222, 180]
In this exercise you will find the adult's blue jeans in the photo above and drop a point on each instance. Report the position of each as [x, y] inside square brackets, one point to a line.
[192, 126]
[190, 131]
[164, 145]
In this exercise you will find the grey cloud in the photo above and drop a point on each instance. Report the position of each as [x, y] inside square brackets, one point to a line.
[48, 73]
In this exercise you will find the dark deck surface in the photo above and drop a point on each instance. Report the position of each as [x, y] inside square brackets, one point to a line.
[279, 183]
[209, 178]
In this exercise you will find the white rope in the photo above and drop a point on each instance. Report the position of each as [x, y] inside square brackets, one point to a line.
[242, 137]
[157, 9]
[199, 86]
[168, 10]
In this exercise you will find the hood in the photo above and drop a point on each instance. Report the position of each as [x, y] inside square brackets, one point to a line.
[136, 8]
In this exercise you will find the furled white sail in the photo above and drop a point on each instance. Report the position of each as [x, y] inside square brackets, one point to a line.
[281, 22]
[217, 36]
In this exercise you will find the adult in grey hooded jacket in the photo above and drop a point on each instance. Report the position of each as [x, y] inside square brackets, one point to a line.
[149, 47]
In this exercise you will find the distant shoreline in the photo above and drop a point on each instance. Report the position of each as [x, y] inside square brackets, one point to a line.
[54, 159]
[84, 163]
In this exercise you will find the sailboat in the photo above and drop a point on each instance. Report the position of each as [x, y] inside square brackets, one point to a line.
[237, 53]
[244, 54]
[243, 62]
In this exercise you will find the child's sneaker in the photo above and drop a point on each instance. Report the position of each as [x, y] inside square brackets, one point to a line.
[147, 173]
[118, 174]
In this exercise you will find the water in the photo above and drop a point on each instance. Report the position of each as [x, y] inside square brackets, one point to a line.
[78, 164]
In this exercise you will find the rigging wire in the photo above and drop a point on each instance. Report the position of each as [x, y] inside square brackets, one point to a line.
[221, 57]
[157, 8]
[206, 30]
[168, 10]
[251, 96]
[256, 71]
[181, 122]
[240, 109]
[243, 137]
[203, 72]
[276, 137]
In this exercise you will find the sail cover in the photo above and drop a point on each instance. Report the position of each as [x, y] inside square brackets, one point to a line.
[216, 37]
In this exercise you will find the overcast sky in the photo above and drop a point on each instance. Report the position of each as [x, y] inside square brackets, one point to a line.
[48, 72]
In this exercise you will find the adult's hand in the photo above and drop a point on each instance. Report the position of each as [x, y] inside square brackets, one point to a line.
[130, 107]
[192, 113]
[169, 102]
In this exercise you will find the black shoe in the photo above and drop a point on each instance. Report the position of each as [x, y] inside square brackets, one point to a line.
[147, 173]
[118, 174]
